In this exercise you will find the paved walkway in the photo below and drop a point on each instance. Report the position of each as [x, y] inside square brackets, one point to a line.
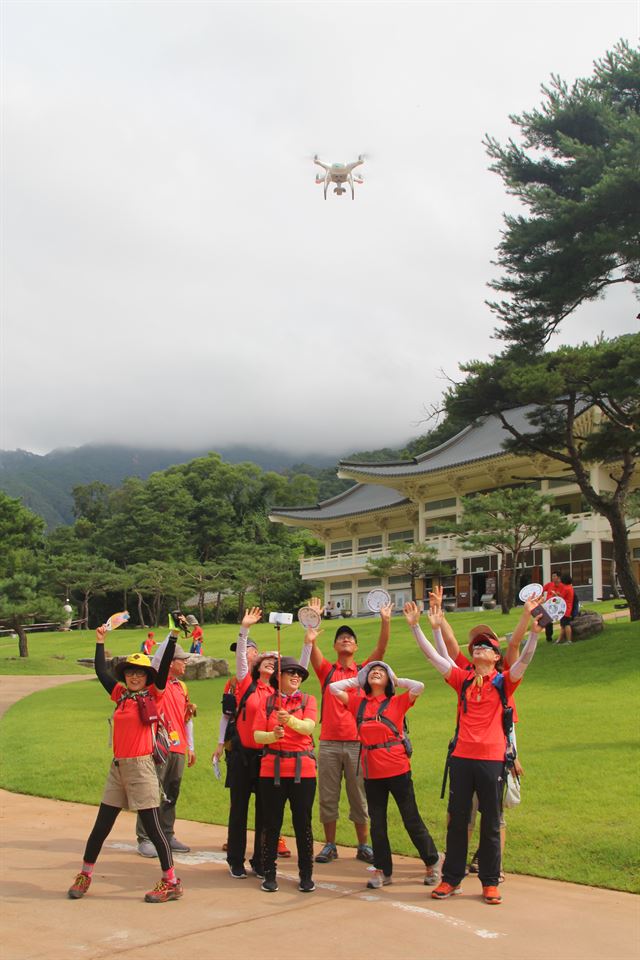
[224, 919]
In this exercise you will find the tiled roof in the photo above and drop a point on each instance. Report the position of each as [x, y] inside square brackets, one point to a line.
[479, 441]
[361, 498]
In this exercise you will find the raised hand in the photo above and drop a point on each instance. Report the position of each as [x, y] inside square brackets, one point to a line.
[316, 604]
[100, 632]
[535, 626]
[386, 611]
[311, 636]
[251, 616]
[531, 604]
[412, 613]
[436, 617]
[435, 597]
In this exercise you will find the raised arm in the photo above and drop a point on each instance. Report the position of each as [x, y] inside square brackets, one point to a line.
[412, 616]
[415, 687]
[447, 635]
[251, 616]
[518, 635]
[100, 663]
[380, 648]
[339, 688]
[310, 637]
[516, 672]
[165, 663]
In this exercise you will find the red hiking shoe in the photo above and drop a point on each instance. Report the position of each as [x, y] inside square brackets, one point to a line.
[491, 895]
[444, 890]
[80, 886]
[283, 849]
[164, 891]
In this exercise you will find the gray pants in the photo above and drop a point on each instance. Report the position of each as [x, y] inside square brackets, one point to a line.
[170, 777]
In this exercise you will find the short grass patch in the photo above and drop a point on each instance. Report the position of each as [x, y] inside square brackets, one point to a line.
[577, 738]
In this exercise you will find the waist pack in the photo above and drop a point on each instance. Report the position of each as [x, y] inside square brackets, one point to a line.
[151, 716]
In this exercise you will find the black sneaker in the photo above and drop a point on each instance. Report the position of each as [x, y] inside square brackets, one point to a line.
[473, 866]
[269, 886]
[238, 873]
[256, 870]
[306, 886]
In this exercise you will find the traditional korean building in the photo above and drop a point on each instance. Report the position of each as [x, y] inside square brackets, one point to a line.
[397, 503]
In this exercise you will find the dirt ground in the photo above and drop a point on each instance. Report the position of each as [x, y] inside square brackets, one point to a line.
[220, 918]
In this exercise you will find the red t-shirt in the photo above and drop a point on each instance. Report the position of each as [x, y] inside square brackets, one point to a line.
[303, 707]
[465, 664]
[337, 721]
[196, 634]
[246, 722]
[551, 589]
[566, 591]
[173, 706]
[480, 735]
[131, 737]
[385, 761]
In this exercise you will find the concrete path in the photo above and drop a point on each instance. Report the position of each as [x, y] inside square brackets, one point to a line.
[224, 919]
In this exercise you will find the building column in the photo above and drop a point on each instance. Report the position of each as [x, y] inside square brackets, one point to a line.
[354, 597]
[422, 522]
[546, 564]
[596, 567]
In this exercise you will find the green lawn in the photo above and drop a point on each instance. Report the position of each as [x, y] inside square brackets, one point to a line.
[577, 737]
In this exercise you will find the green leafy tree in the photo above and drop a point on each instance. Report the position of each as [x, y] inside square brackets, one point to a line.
[576, 171]
[509, 521]
[584, 411]
[417, 560]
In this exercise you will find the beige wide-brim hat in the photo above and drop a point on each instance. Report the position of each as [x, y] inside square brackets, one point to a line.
[482, 630]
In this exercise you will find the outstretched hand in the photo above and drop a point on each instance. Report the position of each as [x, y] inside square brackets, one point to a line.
[436, 597]
[316, 604]
[535, 626]
[436, 616]
[411, 612]
[311, 636]
[100, 632]
[251, 616]
[386, 611]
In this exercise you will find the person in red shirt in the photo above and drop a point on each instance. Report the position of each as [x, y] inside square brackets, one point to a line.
[478, 758]
[178, 711]
[196, 635]
[284, 725]
[339, 743]
[553, 588]
[566, 591]
[148, 644]
[379, 716]
[132, 780]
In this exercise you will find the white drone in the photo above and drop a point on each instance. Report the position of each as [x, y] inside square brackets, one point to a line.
[339, 173]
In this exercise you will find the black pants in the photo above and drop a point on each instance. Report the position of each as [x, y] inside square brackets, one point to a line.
[300, 796]
[243, 768]
[486, 778]
[401, 789]
[548, 631]
[103, 826]
[170, 777]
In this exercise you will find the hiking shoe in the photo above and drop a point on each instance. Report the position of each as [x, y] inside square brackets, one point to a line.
[378, 879]
[283, 849]
[431, 876]
[328, 853]
[147, 849]
[179, 847]
[307, 885]
[238, 873]
[473, 866]
[491, 895]
[364, 852]
[444, 890]
[164, 891]
[257, 870]
[80, 886]
[269, 886]
[501, 877]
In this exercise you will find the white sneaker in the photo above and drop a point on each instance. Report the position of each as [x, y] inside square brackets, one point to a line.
[378, 879]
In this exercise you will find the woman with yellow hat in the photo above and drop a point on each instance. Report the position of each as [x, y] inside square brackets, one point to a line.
[132, 780]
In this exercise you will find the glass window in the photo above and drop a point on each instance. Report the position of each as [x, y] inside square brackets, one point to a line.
[400, 580]
[340, 585]
[370, 543]
[402, 536]
[561, 482]
[370, 582]
[440, 504]
[607, 549]
[580, 551]
[339, 547]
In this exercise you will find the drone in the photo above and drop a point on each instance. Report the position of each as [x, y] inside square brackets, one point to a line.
[339, 173]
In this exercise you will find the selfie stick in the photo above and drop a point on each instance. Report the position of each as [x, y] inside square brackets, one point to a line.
[279, 671]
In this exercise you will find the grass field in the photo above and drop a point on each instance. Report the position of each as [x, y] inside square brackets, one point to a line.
[577, 738]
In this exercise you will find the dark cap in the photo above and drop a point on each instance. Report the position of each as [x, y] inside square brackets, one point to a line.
[250, 643]
[345, 629]
[289, 663]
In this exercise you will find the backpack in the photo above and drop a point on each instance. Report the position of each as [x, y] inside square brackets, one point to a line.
[575, 609]
[278, 753]
[507, 725]
[400, 738]
[230, 710]
[327, 681]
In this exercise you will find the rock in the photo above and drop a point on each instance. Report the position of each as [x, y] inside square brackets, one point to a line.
[586, 625]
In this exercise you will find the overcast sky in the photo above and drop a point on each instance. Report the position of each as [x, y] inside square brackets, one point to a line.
[171, 273]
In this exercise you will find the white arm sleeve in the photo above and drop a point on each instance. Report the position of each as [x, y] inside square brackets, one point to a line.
[442, 666]
[242, 667]
[305, 655]
[341, 686]
[222, 732]
[415, 687]
[441, 646]
[189, 728]
[525, 658]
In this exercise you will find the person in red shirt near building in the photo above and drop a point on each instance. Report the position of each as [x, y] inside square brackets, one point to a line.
[552, 588]
[284, 725]
[379, 716]
[478, 756]
[339, 742]
[178, 712]
[132, 780]
[566, 591]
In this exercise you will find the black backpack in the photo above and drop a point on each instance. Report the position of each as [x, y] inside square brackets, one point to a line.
[229, 710]
[400, 738]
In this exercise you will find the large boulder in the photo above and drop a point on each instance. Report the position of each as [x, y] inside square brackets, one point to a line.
[586, 624]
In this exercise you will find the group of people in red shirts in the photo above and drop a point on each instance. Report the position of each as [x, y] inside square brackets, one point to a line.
[266, 732]
[561, 585]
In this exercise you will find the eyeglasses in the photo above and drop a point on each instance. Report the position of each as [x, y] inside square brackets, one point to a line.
[293, 673]
[135, 672]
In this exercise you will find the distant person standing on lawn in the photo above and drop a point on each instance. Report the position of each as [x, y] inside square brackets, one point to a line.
[132, 782]
[339, 742]
[196, 634]
[178, 713]
[553, 588]
[566, 591]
